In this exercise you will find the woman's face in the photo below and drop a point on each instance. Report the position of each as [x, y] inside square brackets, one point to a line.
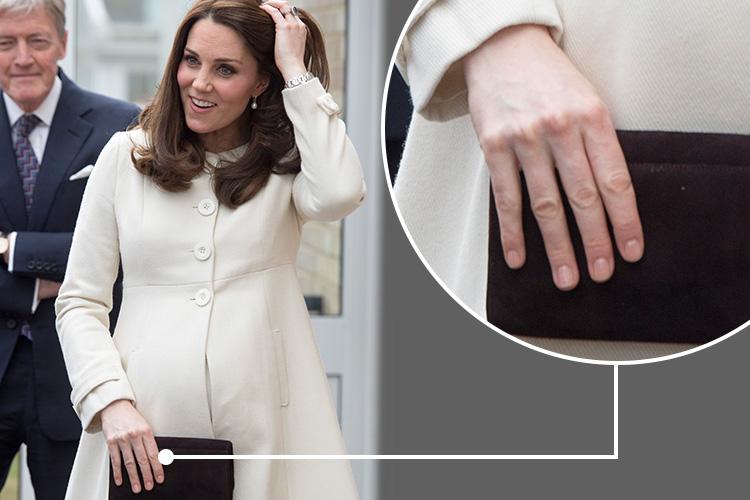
[217, 77]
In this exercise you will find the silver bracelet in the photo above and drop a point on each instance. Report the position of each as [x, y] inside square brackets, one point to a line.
[299, 80]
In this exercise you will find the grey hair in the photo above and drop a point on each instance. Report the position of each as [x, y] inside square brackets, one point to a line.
[56, 9]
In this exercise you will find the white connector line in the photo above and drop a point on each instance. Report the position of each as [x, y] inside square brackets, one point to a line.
[166, 456]
[616, 444]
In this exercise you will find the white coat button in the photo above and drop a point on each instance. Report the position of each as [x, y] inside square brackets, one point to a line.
[202, 297]
[201, 251]
[207, 207]
[326, 102]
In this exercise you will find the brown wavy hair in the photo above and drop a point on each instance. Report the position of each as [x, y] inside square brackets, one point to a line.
[173, 154]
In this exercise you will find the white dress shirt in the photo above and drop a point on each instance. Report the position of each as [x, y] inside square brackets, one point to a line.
[38, 139]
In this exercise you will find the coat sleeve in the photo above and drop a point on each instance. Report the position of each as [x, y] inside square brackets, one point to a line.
[330, 184]
[85, 299]
[442, 32]
[41, 255]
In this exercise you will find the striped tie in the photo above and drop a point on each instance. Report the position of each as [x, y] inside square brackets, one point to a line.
[26, 161]
[28, 168]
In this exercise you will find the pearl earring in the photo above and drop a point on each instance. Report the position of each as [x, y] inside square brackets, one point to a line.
[254, 104]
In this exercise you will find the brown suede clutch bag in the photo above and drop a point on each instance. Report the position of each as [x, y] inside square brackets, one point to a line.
[187, 479]
[693, 282]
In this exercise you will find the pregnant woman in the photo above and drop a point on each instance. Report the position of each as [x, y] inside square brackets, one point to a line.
[202, 204]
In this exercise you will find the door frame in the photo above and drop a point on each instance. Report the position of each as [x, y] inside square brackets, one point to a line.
[349, 343]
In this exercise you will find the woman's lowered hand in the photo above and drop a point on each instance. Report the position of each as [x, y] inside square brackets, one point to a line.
[533, 111]
[131, 441]
[291, 34]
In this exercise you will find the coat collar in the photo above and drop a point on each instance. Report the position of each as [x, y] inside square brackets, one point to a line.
[68, 132]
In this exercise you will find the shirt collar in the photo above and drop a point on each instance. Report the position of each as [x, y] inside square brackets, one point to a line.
[45, 111]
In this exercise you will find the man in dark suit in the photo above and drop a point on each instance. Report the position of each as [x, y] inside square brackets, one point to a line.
[51, 132]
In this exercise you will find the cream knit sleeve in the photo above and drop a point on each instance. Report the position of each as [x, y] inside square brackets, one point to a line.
[442, 32]
[93, 363]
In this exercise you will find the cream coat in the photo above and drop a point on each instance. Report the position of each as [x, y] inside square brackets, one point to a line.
[676, 65]
[213, 338]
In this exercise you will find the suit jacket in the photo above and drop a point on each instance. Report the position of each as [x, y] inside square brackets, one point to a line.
[213, 338]
[82, 124]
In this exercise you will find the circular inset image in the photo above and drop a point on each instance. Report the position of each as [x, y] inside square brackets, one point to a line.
[572, 176]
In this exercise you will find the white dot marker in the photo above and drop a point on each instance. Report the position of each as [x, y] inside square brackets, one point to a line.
[166, 457]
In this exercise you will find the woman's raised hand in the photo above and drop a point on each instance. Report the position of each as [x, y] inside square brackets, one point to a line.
[131, 441]
[534, 111]
[291, 34]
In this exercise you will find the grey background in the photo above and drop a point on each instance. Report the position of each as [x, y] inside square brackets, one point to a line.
[452, 386]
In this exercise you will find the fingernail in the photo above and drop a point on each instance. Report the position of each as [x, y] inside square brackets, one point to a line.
[136, 488]
[633, 250]
[159, 479]
[564, 277]
[601, 269]
[149, 485]
[514, 259]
